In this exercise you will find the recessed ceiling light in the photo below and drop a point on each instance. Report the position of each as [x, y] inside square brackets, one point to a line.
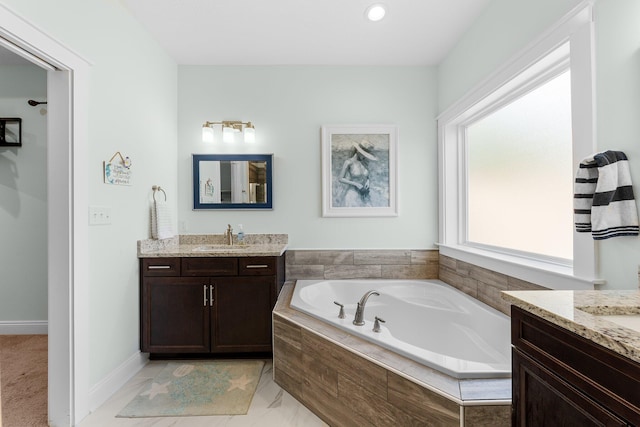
[375, 12]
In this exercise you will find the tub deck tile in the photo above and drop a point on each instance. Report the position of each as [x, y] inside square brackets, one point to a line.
[425, 257]
[404, 365]
[466, 284]
[463, 268]
[317, 374]
[491, 295]
[445, 261]
[321, 257]
[372, 257]
[288, 359]
[515, 284]
[481, 389]
[363, 372]
[433, 378]
[372, 407]
[289, 333]
[487, 276]
[487, 416]
[334, 412]
[308, 272]
[283, 379]
[352, 272]
[427, 406]
[415, 272]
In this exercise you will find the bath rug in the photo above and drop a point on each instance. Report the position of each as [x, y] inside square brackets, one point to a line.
[191, 388]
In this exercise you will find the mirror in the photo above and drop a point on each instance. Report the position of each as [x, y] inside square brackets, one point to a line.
[232, 181]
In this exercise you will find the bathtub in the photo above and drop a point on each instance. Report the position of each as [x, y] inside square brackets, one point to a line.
[426, 320]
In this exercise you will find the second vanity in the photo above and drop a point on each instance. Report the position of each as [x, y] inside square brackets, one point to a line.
[576, 358]
[199, 295]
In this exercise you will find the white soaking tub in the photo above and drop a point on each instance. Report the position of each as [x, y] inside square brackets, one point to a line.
[426, 320]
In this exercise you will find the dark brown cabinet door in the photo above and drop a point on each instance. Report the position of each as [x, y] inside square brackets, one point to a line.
[176, 315]
[545, 400]
[242, 313]
[562, 379]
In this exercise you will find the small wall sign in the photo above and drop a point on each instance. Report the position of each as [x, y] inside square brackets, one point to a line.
[117, 171]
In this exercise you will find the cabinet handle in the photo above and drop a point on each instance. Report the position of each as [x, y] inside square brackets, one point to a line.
[257, 266]
[158, 267]
[204, 288]
[211, 296]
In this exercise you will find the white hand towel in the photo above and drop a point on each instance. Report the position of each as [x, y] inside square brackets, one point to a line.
[161, 221]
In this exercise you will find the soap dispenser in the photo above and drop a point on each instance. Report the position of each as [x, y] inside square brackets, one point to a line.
[240, 234]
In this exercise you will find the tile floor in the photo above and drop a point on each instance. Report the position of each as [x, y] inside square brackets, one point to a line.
[271, 406]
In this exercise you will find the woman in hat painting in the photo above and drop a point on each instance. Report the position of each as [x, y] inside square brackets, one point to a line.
[355, 176]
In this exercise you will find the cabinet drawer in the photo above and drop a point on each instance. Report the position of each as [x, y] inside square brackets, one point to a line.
[257, 266]
[209, 266]
[160, 266]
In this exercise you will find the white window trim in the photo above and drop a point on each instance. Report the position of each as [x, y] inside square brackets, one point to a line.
[576, 28]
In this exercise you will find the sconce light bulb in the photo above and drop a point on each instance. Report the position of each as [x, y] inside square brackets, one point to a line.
[227, 134]
[207, 134]
[249, 134]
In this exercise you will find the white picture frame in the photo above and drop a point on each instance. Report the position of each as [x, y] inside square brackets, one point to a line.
[359, 170]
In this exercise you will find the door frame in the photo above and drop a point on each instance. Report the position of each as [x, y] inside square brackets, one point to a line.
[67, 224]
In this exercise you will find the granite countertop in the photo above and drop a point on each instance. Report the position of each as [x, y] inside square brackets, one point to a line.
[213, 245]
[581, 312]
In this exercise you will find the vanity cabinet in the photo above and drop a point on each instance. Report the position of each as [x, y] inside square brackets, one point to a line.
[208, 304]
[562, 379]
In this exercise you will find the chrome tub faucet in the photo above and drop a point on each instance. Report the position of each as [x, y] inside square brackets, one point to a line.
[359, 319]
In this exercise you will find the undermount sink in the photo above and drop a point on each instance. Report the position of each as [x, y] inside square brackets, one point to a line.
[629, 321]
[216, 248]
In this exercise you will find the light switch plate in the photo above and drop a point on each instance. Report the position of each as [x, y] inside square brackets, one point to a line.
[99, 215]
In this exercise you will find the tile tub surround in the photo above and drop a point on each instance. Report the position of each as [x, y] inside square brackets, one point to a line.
[482, 284]
[577, 311]
[184, 245]
[362, 264]
[348, 381]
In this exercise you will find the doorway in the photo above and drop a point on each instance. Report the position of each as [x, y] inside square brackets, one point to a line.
[23, 219]
[67, 225]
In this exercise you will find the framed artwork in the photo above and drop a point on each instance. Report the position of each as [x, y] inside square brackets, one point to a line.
[359, 171]
[10, 132]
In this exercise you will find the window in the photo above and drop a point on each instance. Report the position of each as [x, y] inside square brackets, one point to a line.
[508, 153]
[519, 181]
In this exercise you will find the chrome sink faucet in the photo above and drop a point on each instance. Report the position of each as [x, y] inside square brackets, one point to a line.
[228, 235]
[359, 319]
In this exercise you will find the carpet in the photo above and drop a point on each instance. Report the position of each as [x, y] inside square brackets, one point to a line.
[23, 367]
[190, 388]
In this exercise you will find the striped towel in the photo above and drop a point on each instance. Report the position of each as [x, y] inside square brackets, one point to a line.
[603, 197]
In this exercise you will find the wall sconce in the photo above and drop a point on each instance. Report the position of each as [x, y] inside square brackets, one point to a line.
[229, 130]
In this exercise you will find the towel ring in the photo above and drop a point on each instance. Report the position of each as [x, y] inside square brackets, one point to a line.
[158, 188]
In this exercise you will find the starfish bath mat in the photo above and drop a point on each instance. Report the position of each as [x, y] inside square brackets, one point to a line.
[189, 388]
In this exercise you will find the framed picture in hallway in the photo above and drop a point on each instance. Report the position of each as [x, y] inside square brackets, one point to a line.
[359, 171]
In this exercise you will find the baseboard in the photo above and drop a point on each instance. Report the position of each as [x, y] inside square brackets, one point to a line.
[24, 327]
[99, 393]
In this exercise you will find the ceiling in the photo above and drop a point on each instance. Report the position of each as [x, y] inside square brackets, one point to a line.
[305, 32]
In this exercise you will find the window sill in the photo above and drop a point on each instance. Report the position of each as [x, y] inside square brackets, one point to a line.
[549, 275]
